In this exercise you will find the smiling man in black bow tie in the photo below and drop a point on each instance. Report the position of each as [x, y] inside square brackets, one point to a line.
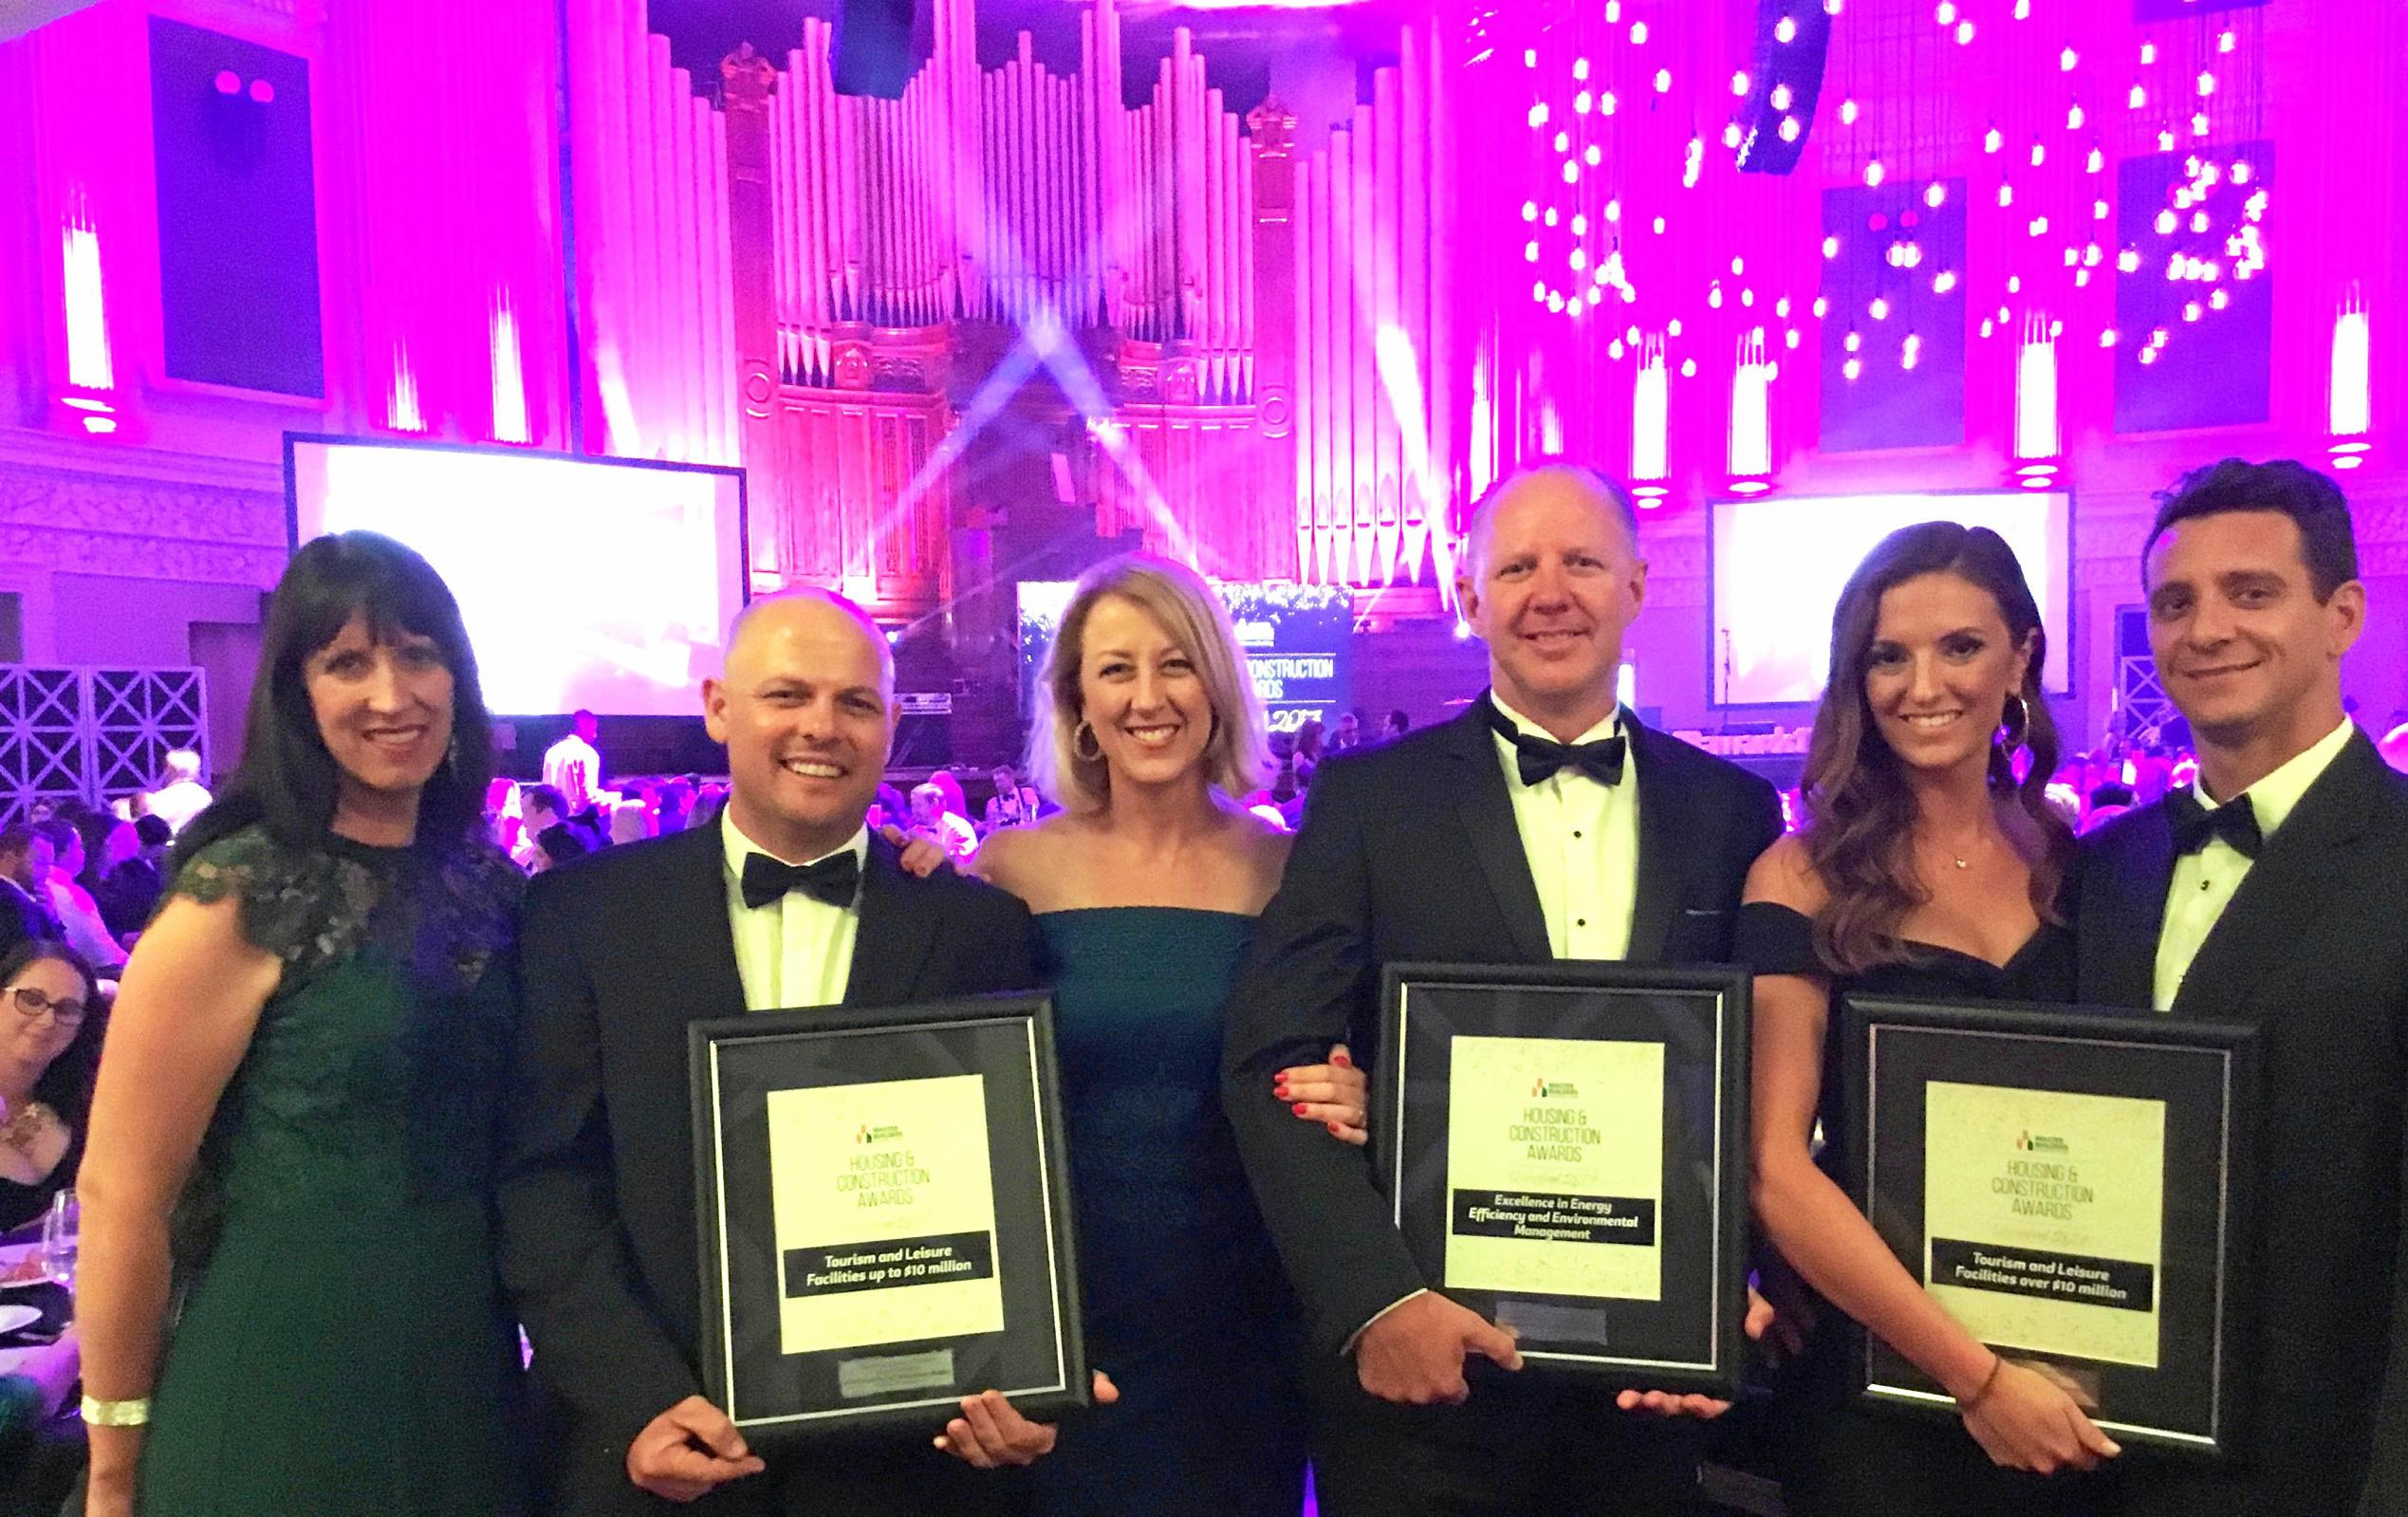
[787, 902]
[2267, 893]
[1545, 823]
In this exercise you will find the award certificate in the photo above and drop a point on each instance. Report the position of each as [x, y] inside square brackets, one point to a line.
[1555, 1158]
[2019, 1162]
[885, 1212]
[883, 1200]
[2044, 1217]
[1563, 1150]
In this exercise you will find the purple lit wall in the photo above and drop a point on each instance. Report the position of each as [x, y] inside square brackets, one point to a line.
[1279, 348]
[2062, 147]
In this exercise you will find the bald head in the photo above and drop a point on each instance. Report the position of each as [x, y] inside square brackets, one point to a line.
[1570, 482]
[806, 707]
[810, 614]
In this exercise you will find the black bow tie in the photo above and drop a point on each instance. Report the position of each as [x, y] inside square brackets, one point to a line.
[2195, 825]
[832, 881]
[1535, 757]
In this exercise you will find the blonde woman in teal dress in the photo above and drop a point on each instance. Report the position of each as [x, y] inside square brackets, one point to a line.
[287, 1298]
[1145, 887]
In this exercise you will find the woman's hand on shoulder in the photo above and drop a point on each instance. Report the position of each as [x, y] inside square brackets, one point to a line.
[921, 855]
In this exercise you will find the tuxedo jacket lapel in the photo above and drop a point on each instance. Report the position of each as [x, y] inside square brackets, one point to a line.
[1487, 811]
[2287, 889]
[895, 935]
[1663, 828]
[2119, 932]
[699, 976]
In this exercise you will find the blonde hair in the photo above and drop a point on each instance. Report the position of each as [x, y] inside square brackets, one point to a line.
[1236, 757]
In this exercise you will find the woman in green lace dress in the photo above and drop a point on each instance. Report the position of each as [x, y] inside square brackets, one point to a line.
[287, 1298]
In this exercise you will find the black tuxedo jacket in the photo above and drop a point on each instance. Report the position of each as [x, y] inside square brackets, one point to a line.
[1410, 852]
[2313, 950]
[616, 954]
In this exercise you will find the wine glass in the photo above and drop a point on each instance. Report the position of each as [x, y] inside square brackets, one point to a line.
[59, 1230]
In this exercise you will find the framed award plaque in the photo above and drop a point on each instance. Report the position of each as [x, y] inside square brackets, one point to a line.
[1564, 1148]
[2075, 1188]
[884, 1216]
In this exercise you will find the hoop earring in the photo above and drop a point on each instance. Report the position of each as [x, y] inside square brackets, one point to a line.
[2016, 727]
[1080, 736]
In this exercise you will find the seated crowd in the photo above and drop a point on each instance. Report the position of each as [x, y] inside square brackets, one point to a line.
[541, 827]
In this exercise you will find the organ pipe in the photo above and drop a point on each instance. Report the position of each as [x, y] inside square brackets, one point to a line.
[1005, 194]
[653, 227]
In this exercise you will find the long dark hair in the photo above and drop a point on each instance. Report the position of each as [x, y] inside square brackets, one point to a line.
[288, 782]
[1860, 831]
[65, 1087]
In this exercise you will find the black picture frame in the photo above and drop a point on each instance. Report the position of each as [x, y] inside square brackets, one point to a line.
[2192, 1403]
[1039, 1357]
[1690, 1338]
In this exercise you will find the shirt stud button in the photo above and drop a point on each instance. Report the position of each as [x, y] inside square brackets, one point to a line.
[1580, 921]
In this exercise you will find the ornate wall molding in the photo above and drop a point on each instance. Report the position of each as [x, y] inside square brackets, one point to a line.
[218, 522]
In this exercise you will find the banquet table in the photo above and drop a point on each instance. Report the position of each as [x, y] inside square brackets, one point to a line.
[26, 1350]
[15, 1355]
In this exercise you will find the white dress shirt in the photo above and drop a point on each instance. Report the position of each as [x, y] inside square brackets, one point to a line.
[178, 801]
[1581, 841]
[2204, 881]
[794, 951]
[572, 768]
[80, 919]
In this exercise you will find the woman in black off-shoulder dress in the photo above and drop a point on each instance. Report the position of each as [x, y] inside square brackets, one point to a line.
[1928, 868]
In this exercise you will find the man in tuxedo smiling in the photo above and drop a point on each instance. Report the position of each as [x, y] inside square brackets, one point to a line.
[1545, 823]
[2267, 894]
[786, 901]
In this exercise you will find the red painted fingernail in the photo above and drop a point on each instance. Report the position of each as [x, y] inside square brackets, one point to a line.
[1299, 1108]
[1342, 1061]
[1333, 1129]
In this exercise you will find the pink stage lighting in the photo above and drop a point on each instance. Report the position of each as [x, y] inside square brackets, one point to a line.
[2350, 408]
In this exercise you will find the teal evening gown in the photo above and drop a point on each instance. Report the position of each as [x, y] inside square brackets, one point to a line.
[1186, 1306]
[342, 1348]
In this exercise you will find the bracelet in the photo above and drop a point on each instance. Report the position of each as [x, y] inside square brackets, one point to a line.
[1975, 1402]
[132, 1414]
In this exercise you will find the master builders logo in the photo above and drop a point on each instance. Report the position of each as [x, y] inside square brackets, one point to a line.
[2031, 1142]
[1553, 1089]
[877, 1134]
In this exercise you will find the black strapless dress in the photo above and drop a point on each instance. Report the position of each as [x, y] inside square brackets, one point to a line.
[1836, 1459]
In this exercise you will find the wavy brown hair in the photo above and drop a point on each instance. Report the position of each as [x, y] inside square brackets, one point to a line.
[1859, 834]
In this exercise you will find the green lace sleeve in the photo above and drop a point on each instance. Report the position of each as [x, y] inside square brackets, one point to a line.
[308, 909]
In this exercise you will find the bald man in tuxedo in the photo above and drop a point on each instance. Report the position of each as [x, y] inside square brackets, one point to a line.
[786, 901]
